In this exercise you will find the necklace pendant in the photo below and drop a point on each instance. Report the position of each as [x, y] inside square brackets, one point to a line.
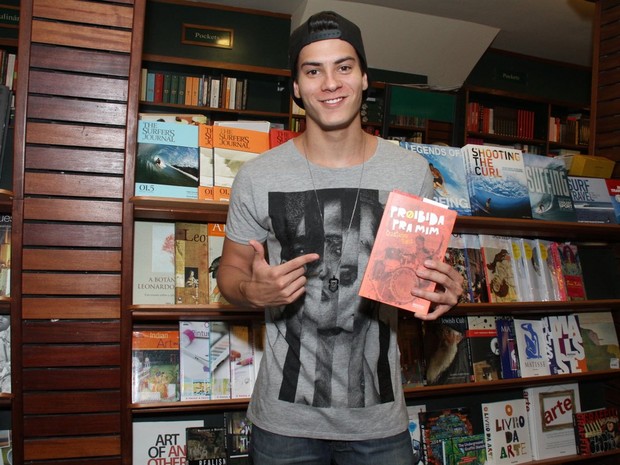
[333, 284]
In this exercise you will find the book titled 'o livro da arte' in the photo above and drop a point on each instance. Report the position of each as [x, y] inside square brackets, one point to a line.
[412, 230]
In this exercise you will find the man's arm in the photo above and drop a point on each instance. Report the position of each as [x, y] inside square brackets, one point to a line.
[246, 279]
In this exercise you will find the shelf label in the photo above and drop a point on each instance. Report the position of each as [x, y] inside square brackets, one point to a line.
[9, 16]
[516, 77]
[207, 36]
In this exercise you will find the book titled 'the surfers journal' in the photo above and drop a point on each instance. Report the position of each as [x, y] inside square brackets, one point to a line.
[412, 230]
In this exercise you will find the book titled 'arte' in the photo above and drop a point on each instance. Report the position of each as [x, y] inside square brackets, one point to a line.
[411, 231]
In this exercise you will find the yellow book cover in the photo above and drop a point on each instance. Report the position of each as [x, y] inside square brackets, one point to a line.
[191, 263]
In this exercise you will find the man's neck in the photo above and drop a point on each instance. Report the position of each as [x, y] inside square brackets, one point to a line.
[336, 149]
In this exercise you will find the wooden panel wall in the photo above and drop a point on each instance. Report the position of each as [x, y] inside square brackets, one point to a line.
[606, 81]
[73, 106]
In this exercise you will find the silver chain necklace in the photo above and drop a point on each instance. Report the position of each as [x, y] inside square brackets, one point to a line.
[334, 282]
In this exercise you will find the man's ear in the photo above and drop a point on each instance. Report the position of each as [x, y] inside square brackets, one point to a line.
[296, 89]
[365, 82]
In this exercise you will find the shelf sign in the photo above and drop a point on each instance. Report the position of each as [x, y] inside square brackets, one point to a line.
[207, 36]
[9, 17]
[515, 77]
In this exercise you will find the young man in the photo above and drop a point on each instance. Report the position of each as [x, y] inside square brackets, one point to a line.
[329, 388]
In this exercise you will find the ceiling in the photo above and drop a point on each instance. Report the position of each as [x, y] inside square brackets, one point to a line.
[451, 35]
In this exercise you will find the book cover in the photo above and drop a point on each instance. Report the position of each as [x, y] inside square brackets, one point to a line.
[465, 450]
[564, 344]
[154, 262]
[530, 339]
[241, 361]
[6, 447]
[550, 412]
[238, 433]
[600, 340]
[279, 136]
[6, 222]
[508, 352]
[524, 286]
[446, 351]
[161, 441]
[205, 167]
[216, 233]
[551, 273]
[534, 270]
[456, 256]
[484, 347]
[547, 183]
[413, 412]
[409, 335]
[440, 425]
[206, 445]
[572, 271]
[447, 166]
[219, 359]
[554, 262]
[506, 432]
[613, 188]
[497, 181]
[195, 373]
[155, 365]
[411, 231]
[597, 430]
[232, 147]
[167, 160]
[5, 354]
[499, 268]
[476, 277]
[591, 199]
[191, 263]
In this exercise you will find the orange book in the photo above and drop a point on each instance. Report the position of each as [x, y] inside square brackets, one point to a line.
[280, 136]
[412, 230]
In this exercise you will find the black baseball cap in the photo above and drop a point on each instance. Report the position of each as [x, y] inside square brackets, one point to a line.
[323, 26]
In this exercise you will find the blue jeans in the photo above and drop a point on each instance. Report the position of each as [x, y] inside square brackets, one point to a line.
[273, 449]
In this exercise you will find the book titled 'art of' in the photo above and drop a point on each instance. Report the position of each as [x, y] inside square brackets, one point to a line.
[412, 230]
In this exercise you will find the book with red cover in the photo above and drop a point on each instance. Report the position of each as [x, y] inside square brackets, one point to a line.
[596, 430]
[411, 231]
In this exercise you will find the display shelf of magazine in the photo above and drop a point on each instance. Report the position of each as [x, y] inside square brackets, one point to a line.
[164, 208]
[254, 92]
[176, 312]
[219, 405]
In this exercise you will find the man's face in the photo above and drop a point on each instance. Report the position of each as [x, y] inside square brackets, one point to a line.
[330, 82]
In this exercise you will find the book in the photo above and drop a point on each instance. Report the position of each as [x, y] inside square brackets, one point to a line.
[191, 263]
[597, 430]
[476, 277]
[534, 273]
[167, 160]
[530, 341]
[446, 351]
[440, 425]
[484, 347]
[412, 230]
[499, 268]
[155, 365]
[409, 333]
[216, 235]
[465, 450]
[547, 183]
[591, 199]
[206, 445]
[508, 352]
[550, 412]
[161, 441]
[180, 118]
[279, 136]
[219, 359]
[154, 263]
[456, 256]
[554, 263]
[195, 372]
[241, 361]
[415, 433]
[497, 182]
[238, 433]
[6, 222]
[613, 188]
[6, 447]
[551, 272]
[506, 432]
[205, 166]
[600, 340]
[572, 271]
[232, 147]
[564, 344]
[447, 166]
[5, 354]
[522, 280]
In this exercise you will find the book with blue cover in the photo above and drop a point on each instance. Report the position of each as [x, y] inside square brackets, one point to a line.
[613, 187]
[591, 199]
[497, 182]
[448, 169]
[547, 182]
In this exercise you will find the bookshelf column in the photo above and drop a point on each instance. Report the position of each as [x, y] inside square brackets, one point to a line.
[75, 113]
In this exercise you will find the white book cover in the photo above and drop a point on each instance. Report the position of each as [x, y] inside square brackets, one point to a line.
[550, 412]
[506, 432]
[241, 361]
[564, 344]
[534, 270]
[153, 265]
[591, 199]
[219, 360]
[194, 360]
[530, 339]
[524, 285]
[548, 270]
[161, 441]
[413, 412]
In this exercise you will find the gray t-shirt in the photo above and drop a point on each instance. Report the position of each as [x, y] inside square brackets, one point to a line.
[331, 365]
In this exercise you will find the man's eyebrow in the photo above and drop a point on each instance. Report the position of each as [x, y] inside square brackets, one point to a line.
[337, 62]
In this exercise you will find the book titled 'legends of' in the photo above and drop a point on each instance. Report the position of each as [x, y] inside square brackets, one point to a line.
[412, 230]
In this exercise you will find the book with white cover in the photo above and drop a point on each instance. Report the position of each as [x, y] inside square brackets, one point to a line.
[530, 339]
